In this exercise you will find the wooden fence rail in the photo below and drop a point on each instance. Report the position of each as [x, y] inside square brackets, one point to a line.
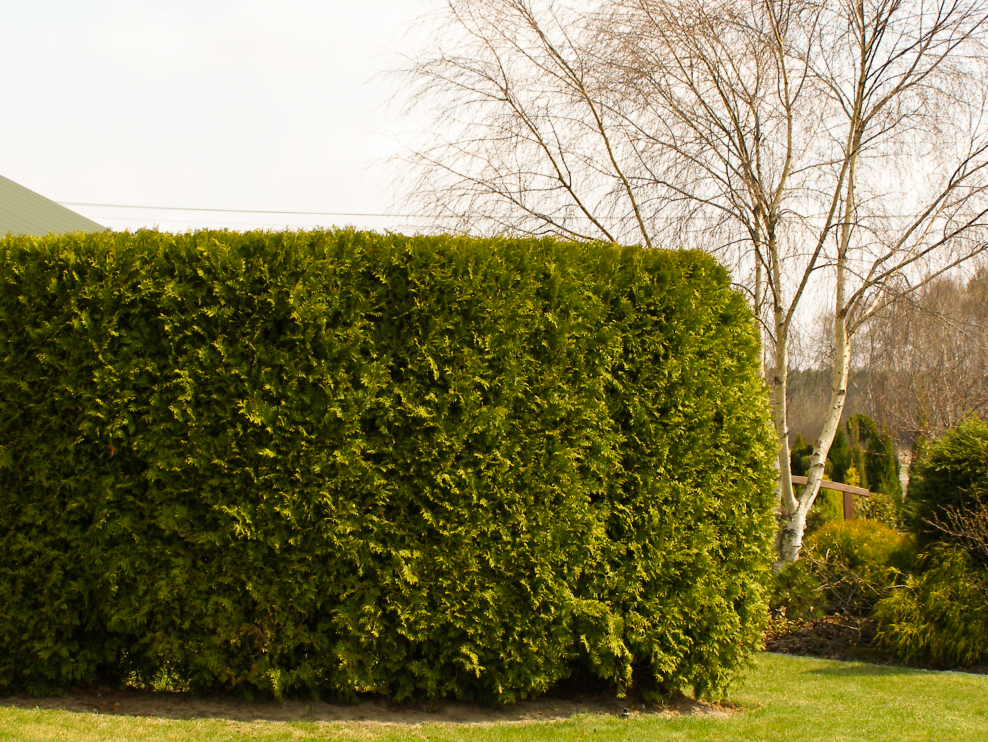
[848, 491]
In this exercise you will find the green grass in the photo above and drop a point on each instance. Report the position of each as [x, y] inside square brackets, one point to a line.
[785, 698]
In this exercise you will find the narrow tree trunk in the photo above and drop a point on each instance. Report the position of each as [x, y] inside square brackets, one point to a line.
[792, 533]
[793, 513]
[759, 311]
[779, 383]
[780, 387]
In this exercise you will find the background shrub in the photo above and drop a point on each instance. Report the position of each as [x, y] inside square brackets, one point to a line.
[796, 593]
[338, 462]
[875, 462]
[828, 507]
[879, 507]
[845, 567]
[865, 457]
[948, 490]
[940, 616]
[856, 561]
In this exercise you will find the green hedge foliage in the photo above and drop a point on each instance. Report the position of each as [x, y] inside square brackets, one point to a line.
[939, 617]
[334, 463]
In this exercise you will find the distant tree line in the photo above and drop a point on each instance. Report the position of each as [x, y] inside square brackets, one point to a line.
[922, 371]
[924, 361]
[923, 366]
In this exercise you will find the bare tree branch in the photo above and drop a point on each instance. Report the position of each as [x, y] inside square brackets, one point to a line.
[820, 148]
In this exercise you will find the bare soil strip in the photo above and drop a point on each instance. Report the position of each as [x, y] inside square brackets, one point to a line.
[167, 705]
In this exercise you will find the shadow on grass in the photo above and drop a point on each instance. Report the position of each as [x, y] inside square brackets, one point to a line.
[172, 705]
[861, 669]
[865, 669]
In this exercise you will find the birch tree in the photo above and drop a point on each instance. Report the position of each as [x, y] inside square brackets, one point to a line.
[832, 153]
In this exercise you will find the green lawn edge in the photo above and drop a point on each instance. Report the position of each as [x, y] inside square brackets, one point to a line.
[795, 699]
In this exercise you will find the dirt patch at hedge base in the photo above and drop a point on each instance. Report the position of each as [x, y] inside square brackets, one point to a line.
[835, 637]
[838, 637]
[188, 706]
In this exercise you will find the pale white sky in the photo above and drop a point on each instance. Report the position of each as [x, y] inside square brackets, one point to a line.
[227, 104]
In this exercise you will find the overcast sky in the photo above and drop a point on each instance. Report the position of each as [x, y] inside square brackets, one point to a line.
[226, 104]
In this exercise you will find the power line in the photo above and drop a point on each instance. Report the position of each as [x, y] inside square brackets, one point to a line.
[307, 213]
[243, 211]
[274, 212]
[292, 213]
[304, 213]
[224, 222]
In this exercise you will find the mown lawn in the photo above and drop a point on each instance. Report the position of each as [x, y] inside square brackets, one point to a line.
[793, 699]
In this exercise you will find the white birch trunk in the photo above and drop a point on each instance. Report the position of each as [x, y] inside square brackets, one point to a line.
[792, 532]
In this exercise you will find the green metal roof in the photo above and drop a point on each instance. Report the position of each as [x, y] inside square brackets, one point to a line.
[23, 211]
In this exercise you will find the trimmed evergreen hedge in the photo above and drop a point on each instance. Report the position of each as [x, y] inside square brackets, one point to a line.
[338, 462]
